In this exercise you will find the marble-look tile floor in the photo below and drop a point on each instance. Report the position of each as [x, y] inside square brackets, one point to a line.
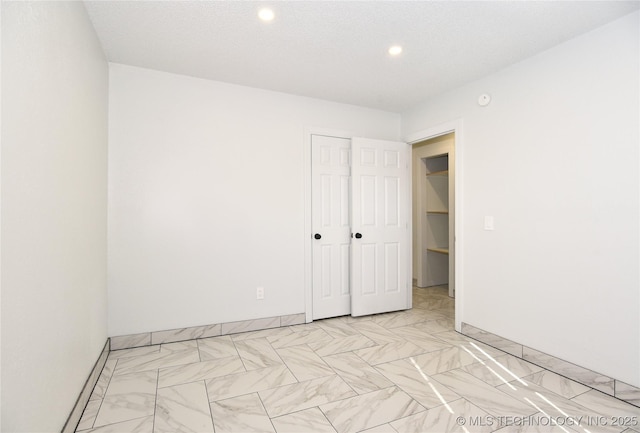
[399, 372]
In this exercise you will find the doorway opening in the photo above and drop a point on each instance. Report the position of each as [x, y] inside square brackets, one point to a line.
[434, 213]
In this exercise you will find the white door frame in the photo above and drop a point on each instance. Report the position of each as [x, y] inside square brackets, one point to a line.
[456, 127]
[433, 150]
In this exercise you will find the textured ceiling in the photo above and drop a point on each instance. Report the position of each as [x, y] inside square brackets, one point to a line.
[338, 50]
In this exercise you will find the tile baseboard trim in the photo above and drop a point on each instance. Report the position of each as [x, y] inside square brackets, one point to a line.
[76, 413]
[628, 393]
[169, 336]
[600, 382]
[492, 340]
[206, 331]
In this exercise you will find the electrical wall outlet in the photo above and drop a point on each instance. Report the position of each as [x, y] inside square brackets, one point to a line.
[260, 293]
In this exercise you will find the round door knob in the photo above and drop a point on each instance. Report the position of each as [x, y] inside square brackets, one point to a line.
[317, 236]
[358, 235]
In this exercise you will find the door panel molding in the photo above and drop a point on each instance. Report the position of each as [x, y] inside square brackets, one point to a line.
[380, 266]
[330, 225]
[308, 240]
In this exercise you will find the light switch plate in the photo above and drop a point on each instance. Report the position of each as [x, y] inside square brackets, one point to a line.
[488, 223]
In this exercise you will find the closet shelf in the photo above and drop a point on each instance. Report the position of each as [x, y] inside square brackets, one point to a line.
[438, 173]
[438, 212]
[439, 250]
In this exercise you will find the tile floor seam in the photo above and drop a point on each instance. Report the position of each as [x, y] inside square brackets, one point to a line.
[327, 418]
[155, 401]
[213, 422]
[235, 347]
[199, 351]
[267, 413]
[394, 386]
[586, 391]
[93, 422]
[348, 384]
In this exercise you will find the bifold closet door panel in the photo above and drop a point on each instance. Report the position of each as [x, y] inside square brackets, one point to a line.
[331, 219]
[380, 246]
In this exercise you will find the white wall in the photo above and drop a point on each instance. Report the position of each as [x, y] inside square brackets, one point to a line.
[206, 197]
[555, 159]
[54, 195]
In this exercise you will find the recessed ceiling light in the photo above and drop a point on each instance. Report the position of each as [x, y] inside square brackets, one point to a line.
[395, 50]
[266, 14]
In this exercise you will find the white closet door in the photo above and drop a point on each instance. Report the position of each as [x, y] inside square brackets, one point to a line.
[380, 244]
[330, 223]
